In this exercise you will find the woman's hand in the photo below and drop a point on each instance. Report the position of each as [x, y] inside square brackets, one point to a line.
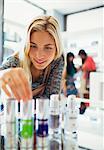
[64, 87]
[16, 80]
[65, 92]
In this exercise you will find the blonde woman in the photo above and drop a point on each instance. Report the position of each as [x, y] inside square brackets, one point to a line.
[37, 69]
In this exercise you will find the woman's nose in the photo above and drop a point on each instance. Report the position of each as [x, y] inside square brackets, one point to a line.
[40, 53]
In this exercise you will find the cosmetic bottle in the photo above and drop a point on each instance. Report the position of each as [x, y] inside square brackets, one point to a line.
[25, 125]
[71, 116]
[10, 122]
[42, 119]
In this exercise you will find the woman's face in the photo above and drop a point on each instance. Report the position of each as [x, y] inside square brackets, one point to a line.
[71, 59]
[42, 49]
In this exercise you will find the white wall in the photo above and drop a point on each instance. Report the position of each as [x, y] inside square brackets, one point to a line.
[85, 20]
[85, 31]
[1, 30]
[58, 16]
[97, 86]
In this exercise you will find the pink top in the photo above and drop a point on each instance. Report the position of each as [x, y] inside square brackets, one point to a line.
[88, 66]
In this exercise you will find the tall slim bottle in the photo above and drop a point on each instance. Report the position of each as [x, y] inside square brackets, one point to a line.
[54, 117]
[71, 116]
[55, 122]
[42, 116]
[25, 125]
[1, 126]
[70, 126]
[9, 116]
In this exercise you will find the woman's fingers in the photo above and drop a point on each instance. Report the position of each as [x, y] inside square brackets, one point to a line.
[4, 87]
[14, 89]
[18, 84]
[20, 88]
[26, 86]
[65, 92]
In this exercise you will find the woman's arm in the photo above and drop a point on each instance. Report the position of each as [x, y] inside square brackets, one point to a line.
[10, 62]
[64, 86]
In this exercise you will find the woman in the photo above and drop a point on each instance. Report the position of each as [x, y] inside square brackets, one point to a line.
[38, 66]
[68, 74]
[88, 65]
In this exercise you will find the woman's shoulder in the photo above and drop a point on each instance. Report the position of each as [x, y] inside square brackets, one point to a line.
[11, 61]
[58, 62]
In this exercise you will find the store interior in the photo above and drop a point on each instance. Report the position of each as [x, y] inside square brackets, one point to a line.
[82, 27]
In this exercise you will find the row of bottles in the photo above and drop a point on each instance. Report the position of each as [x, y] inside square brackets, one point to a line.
[53, 115]
[19, 123]
[42, 128]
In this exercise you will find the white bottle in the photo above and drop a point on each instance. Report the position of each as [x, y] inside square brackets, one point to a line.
[42, 116]
[55, 122]
[9, 117]
[71, 115]
[55, 115]
[25, 124]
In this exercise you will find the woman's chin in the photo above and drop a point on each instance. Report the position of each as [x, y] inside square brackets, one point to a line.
[40, 67]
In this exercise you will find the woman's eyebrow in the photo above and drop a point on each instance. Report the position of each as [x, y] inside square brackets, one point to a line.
[49, 44]
[33, 43]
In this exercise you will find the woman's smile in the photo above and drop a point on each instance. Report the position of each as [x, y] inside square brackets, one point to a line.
[39, 61]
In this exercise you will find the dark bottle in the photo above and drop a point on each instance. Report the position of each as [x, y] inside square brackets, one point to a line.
[2, 142]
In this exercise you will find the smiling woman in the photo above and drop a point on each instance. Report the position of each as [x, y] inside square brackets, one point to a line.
[42, 50]
[39, 65]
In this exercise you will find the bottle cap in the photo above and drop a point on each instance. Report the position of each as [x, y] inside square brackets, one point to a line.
[54, 103]
[71, 103]
[42, 108]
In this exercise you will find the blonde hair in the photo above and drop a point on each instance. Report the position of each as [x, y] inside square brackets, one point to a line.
[41, 23]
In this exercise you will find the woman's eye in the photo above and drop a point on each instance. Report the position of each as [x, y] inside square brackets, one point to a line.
[48, 48]
[32, 46]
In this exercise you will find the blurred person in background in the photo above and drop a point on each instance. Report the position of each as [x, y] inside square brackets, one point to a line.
[35, 70]
[88, 65]
[68, 86]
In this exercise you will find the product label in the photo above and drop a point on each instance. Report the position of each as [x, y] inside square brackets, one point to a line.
[26, 128]
[54, 121]
[42, 129]
[24, 132]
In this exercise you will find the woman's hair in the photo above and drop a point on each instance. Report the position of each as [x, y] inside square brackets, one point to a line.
[82, 52]
[42, 23]
[69, 55]
[70, 65]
